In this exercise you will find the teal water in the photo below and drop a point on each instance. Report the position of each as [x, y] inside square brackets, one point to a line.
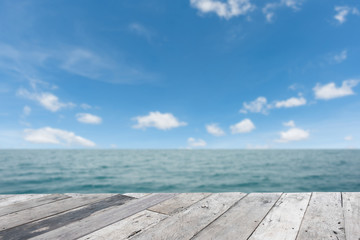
[95, 171]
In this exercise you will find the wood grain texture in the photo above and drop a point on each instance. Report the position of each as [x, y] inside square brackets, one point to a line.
[265, 216]
[184, 225]
[284, 219]
[136, 195]
[351, 203]
[19, 198]
[242, 219]
[36, 213]
[324, 218]
[178, 203]
[105, 218]
[76, 195]
[5, 196]
[33, 229]
[16, 207]
[128, 227]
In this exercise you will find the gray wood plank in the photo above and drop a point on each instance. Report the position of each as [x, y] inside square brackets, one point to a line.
[186, 224]
[19, 198]
[16, 207]
[284, 219]
[5, 196]
[242, 219]
[127, 227]
[351, 203]
[102, 219]
[178, 203]
[324, 218]
[33, 229]
[36, 213]
[136, 195]
[76, 195]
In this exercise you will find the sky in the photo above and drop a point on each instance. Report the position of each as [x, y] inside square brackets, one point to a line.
[184, 74]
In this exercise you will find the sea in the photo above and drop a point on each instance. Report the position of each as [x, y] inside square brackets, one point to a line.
[121, 171]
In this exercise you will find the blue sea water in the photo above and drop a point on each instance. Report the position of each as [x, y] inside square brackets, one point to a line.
[120, 171]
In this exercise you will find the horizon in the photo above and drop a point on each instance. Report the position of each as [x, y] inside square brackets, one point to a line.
[191, 74]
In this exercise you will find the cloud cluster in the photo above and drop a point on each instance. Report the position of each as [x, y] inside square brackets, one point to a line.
[338, 58]
[88, 118]
[343, 12]
[269, 9]
[291, 102]
[48, 100]
[26, 111]
[259, 105]
[348, 138]
[227, 10]
[162, 121]
[293, 134]
[192, 142]
[48, 135]
[243, 126]
[141, 30]
[290, 123]
[215, 130]
[330, 90]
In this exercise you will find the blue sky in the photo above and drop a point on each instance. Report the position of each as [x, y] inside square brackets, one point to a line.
[180, 74]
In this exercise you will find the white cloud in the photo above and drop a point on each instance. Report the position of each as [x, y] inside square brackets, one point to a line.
[48, 135]
[79, 58]
[290, 123]
[85, 106]
[293, 134]
[244, 126]
[141, 30]
[27, 111]
[294, 86]
[89, 64]
[88, 118]
[269, 9]
[338, 58]
[162, 121]
[45, 99]
[215, 130]
[343, 11]
[259, 105]
[348, 138]
[227, 10]
[196, 142]
[329, 91]
[291, 102]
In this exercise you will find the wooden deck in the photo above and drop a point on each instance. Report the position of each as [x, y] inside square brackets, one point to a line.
[264, 216]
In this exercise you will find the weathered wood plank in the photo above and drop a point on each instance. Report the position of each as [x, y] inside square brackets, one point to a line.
[284, 219]
[5, 196]
[185, 224]
[136, 195]
[127, 227]
[102, 219]
[19, 198]
[76, 195]
[178, 203]
[36, 213]
[323, 218]
[16, 207]
[351, 203]
[242, 219]
[33, 229]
